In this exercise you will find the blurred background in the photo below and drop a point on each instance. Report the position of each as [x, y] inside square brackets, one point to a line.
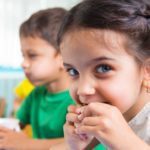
[12, 14]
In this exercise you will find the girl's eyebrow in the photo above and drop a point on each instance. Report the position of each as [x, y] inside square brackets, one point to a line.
[66, 65]
[100, 59]
[103, 58]
[28, 50]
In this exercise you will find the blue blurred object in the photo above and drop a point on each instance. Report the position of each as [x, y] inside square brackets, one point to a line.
[4, 69]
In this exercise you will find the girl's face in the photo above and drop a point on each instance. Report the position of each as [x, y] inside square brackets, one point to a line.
[40, 63]
[101, 68]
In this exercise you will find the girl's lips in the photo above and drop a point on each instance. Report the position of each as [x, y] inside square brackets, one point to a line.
[83, 100]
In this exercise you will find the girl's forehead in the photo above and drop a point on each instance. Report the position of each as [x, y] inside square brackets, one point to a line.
[103, 39]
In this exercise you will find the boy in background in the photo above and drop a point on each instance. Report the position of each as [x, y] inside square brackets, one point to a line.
[46, 107]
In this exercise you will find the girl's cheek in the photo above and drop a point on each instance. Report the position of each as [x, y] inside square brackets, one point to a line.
[73, 93]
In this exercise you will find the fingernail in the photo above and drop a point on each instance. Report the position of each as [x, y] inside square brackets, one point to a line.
[78, 110]
[76, 125]
[82, 109]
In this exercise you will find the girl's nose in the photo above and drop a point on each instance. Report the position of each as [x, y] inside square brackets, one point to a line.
[85, 88]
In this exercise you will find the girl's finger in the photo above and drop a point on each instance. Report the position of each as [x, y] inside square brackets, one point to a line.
[73, 108]
[88, 130]
[69, 129]
[91, 125]
[98, 109]
[95, 120]
[71, 117]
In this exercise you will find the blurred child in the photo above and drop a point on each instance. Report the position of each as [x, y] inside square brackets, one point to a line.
[105, 45]
[46, 107]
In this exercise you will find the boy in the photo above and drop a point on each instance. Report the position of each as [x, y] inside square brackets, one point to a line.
[44, 68]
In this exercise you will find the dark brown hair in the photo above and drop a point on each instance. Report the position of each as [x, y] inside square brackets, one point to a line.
[130, 17]
[44, 24]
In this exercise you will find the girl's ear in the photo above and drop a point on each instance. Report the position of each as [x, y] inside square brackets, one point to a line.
[146, 81]
[147, 69]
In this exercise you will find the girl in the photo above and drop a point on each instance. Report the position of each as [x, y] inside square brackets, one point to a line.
[105, 45]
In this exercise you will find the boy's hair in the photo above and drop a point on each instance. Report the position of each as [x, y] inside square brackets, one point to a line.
[130, 17]
[44, 24]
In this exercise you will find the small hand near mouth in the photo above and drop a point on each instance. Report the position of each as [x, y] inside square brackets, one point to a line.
[77, 125]
[105, 123]
[75, 141]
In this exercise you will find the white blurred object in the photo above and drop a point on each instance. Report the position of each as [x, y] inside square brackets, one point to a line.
[10, 123]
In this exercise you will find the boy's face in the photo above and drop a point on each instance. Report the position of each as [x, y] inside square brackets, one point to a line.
[40, 62]
[101, 69]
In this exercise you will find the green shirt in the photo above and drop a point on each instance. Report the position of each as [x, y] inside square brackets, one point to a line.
[45, 112]
[100, 147]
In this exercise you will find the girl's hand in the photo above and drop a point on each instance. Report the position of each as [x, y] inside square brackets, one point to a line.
[106, 123]
[74, 141]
